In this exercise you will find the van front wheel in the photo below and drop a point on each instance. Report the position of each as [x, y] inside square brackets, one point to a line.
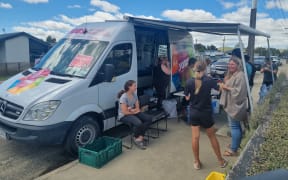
[85, 131]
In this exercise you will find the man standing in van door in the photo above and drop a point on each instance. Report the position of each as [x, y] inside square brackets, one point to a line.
[161, 79]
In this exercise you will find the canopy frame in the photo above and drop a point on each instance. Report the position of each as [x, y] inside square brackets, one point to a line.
[210, 28]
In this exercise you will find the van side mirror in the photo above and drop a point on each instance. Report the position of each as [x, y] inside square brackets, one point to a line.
[109, 71]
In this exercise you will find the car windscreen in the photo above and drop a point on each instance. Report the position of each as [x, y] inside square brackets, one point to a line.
[259, 60]
[72, 57]
[223, 60]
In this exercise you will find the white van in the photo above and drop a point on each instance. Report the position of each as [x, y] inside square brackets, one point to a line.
[69, 96]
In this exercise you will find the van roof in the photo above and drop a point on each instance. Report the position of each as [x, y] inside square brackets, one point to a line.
[103, 31]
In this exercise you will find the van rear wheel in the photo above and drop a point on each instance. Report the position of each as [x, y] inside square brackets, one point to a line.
[85, 131]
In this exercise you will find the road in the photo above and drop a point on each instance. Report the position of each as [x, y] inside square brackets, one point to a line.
[25, 162]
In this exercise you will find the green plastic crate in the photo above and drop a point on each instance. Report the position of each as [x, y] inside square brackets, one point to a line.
[100, 151]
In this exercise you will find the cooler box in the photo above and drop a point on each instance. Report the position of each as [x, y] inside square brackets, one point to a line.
[170, 106]
[215, 106]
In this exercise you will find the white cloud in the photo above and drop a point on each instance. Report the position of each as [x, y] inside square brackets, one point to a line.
[96, 17]
[229, 5]
[142, 16]
[241, 15]
[74, 6]
[51, 25]
[36, 1]
[5, 5]
[197, 15]
[105, 6]
[39, 32]
[279, 4]
[274, 27]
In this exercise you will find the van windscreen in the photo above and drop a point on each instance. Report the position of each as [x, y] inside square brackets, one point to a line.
[72, 57]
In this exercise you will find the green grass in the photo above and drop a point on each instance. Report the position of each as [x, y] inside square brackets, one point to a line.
[3, 78]
[273, 154]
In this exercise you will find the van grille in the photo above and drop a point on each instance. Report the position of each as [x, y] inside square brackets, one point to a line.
[9, 109]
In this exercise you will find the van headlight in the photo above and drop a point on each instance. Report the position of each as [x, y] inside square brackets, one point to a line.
[41, 111]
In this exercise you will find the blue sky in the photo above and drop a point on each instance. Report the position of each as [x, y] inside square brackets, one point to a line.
[56, 17]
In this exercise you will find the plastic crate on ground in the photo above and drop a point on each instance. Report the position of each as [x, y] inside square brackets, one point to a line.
[100, 151]
[215, 176]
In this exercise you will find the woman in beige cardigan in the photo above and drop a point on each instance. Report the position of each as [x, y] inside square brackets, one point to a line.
[234, 101]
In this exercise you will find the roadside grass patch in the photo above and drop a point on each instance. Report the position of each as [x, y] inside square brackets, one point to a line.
[273, 154]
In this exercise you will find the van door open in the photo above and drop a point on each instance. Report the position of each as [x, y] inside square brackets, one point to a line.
[151, 44]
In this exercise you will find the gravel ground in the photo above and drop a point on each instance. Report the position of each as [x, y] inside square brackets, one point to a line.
[25, 162]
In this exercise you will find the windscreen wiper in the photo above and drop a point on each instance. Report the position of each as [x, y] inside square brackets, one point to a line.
[36, 69]
[63, 75]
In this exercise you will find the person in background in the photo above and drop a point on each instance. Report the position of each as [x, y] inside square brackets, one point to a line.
[267, 79]
[234, 101]
[197, 91]
[253, 71]
[129, 112]
[189, 73]
[208, 70]
[161, 79]
[237, 53]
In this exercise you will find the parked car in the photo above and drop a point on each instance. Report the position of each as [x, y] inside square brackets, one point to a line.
[258, 62]
[219, 68]
[276, 60]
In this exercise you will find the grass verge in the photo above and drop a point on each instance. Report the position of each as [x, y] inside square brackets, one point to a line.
[273, 152]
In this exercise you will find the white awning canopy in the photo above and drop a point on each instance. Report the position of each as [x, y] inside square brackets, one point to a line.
[210, 28]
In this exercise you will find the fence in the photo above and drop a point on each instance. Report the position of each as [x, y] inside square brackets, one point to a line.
[13, 68]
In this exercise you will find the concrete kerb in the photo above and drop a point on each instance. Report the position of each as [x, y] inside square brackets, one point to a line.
[58, 170]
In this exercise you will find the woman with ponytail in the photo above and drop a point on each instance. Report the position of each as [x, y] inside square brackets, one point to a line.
[198, 92]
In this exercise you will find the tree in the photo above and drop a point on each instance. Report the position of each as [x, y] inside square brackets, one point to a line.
[212, 47]
[284, 53]
[264, 51]
[261, 51]
[200, 47]
[51, 40]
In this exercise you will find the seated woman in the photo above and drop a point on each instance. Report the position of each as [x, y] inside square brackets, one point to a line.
[129, 113]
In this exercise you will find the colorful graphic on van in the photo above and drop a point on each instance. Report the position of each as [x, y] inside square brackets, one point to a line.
[28, 82]
[181, 53]
[81, 61]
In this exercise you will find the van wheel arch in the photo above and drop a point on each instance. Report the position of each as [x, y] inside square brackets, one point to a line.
[89, 125]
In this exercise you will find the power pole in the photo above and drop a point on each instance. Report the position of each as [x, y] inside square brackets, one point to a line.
[251, 41]
[223, 44]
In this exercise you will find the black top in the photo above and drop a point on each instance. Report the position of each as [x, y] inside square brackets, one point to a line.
[202, 100]
[267, 79]
[160, 78]
[251, 80]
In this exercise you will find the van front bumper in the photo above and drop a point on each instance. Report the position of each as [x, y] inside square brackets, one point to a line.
[45, 135]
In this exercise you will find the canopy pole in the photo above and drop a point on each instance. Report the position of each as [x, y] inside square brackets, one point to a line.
[245, 71]
[270, 60]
